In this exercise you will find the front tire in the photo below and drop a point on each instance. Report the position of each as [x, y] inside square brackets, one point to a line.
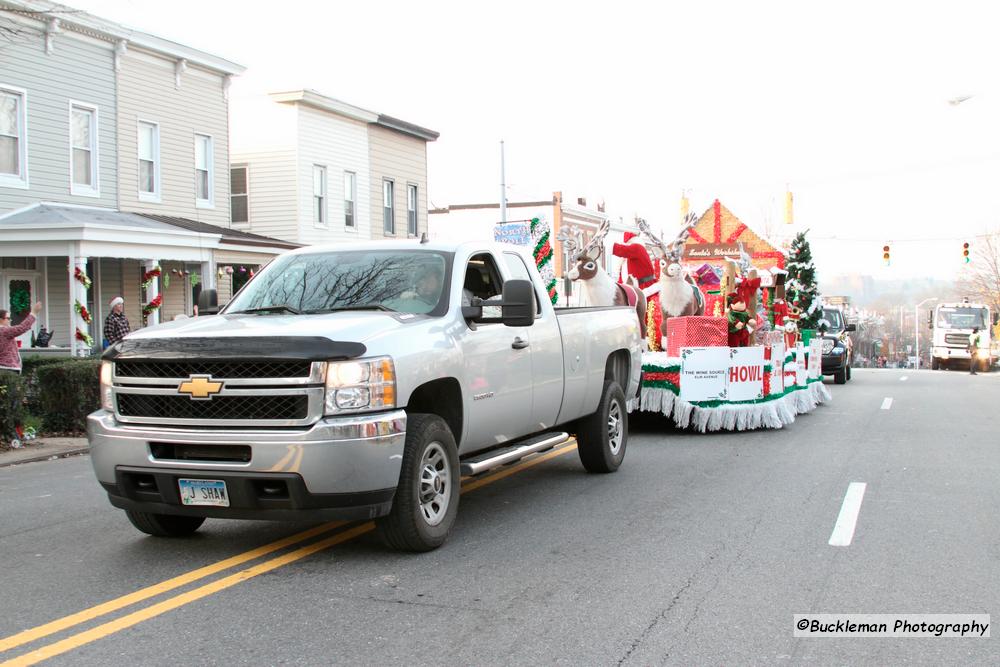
[426, 501]
[602, 437]
[164, 525]
[840, 377]
[935, 364]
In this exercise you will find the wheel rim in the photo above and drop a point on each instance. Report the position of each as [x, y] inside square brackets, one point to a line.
[615, 428]
[434, 491]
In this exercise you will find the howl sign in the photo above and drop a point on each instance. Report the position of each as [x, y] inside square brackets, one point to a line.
[746, 373]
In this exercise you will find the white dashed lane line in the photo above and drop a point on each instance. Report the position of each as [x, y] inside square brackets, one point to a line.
[847, 520]
[904, 378]
[887, 403]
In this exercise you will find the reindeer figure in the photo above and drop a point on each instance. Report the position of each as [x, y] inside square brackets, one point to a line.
[679, 295]
[599, 288]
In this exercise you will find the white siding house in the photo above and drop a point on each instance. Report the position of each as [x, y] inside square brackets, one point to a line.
[114, 161]
[314, 169]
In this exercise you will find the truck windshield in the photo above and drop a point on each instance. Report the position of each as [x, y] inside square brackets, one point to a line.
[411, 281]
[961, 317]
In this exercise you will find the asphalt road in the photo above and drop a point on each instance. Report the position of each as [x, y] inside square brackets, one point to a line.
[698, 551]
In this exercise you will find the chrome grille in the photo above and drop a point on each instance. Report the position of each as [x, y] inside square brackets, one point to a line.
[253, 408]
[956, 340]
[218, 369]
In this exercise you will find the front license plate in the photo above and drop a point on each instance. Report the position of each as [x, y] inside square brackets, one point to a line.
[204, 492]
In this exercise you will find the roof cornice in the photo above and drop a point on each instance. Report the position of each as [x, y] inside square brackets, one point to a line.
[323, 103]
[83, 22]
[407, 128]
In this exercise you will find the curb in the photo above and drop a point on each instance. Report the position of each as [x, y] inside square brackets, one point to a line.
[47, 457]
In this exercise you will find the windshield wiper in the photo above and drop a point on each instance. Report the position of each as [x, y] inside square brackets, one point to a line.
[276, 308]
[367, 306]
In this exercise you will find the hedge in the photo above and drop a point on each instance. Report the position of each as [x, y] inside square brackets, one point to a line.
[12, 404]
[67, 393]
[29, 373]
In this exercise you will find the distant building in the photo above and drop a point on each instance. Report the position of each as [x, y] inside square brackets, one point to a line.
[475, 222]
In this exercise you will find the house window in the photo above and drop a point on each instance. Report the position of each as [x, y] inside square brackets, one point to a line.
[350, 189]
[319, 195]
[388, 212]
[411, 210]
[83, 146]
[13, 138]
[239, 194]
[149, 161]
[204, 171]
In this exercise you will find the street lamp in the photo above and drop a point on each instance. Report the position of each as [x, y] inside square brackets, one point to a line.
[916, 328]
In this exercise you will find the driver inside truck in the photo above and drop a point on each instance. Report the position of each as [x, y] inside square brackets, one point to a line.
[427, 287]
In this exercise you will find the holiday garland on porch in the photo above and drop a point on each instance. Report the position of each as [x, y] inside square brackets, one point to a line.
[82, 311]
[81, 277]
[152, 306]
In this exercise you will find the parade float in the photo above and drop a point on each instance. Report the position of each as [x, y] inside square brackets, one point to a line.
[720, 313]
[725, 348]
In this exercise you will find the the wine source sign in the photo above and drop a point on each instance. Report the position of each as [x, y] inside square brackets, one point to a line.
[704, 373]
[746, 373]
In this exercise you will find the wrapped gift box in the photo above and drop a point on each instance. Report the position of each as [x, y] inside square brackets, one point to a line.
[695, 332]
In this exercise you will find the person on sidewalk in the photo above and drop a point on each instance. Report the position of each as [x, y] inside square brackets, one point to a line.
[973, 349]
[116, 325]
[10, 356]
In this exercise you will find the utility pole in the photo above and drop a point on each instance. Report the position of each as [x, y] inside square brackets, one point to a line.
[503, 186]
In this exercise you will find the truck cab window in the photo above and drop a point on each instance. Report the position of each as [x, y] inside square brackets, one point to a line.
[481, 280]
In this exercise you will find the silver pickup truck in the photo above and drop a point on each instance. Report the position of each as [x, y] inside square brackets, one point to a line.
[359, 381]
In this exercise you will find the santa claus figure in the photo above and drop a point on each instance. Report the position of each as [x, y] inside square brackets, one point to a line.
[640, 267]
[637, 261]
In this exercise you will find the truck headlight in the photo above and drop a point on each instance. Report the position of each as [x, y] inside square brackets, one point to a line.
[107, 398]
[355, 386]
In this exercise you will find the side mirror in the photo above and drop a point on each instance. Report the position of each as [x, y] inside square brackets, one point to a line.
[996, 319]
[208, 302]
[851, 328]
[518, 305]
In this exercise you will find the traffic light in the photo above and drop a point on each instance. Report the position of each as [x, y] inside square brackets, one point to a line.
[965, 252]
[885, 254]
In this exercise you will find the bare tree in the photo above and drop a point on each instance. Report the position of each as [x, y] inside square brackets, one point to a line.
[981, 278]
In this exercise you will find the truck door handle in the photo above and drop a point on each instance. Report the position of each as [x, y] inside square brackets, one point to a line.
[519, 343]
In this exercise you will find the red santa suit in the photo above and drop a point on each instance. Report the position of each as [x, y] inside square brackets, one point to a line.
[637, 260]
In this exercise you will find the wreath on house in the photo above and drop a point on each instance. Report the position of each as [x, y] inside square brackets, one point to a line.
[20, 301]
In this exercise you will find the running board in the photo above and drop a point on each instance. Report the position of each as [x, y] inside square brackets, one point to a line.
[498, 457]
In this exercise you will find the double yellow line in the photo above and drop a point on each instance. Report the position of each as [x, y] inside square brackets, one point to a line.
[136, 617]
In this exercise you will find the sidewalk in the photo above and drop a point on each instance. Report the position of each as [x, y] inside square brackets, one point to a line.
[42, 449]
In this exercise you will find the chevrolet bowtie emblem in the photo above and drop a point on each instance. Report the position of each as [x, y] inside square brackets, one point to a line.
[200, 387]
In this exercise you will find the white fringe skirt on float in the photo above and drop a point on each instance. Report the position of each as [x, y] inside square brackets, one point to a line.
[771, 412]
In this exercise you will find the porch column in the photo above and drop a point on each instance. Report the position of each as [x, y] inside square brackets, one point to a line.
[208, 278]
[78, 294]
[152, 291]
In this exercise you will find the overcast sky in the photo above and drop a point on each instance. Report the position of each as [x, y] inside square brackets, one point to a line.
[845, 102]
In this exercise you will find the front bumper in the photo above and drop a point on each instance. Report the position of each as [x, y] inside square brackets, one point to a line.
[339, 468]
[834, 363]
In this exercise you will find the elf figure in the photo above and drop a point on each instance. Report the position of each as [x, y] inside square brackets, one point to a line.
[740, 323]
